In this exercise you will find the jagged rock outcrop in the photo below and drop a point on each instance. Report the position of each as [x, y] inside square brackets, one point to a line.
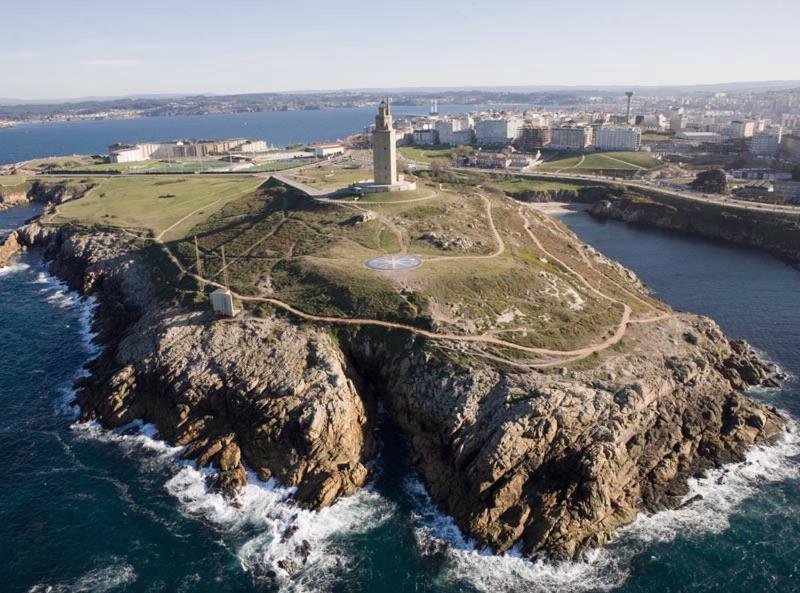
[48, 192]
[9, 248]
[556, 459]
[44, 192]
[263, 394]
[11, 198]
[583, 195]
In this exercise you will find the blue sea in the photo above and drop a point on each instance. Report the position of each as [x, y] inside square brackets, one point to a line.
[279, 128]
[88, 510]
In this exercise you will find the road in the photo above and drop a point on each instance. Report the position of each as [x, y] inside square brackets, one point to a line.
[684, 194]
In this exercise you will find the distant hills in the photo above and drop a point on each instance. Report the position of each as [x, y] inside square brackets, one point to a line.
[751, 86]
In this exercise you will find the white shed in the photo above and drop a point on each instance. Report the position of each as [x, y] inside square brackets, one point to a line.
[222, 302]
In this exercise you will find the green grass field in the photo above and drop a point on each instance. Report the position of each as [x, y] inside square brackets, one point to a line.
[516, 185]
[154, 166]
[311, 254]
[14, 183]
[604, 161]
[154, 203]
[328, 176]
[431, 154]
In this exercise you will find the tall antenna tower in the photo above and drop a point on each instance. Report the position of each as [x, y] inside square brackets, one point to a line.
[629, 94]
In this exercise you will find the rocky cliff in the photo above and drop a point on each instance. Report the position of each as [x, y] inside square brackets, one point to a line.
[580, 195]
[555, 458]
[776, 233]
[44, 192]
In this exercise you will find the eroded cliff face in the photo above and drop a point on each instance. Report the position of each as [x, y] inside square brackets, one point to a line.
[555, 459]
[262, 394]
[44, 192]
[558, 460]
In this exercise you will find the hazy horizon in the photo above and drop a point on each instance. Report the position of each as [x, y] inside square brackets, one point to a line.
[421, 89]
[165, 48]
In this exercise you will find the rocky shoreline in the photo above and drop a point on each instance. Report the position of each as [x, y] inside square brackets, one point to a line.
[43, 192]
[555, 459]
[778, 234]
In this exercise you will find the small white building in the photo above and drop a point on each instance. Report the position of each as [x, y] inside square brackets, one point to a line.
[252, 146]
[324, 151]
[222, 302]
[701, 137]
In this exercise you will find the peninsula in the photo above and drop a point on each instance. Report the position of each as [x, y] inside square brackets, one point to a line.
[545, 396]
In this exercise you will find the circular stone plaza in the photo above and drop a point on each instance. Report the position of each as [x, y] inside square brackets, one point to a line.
[394, 263]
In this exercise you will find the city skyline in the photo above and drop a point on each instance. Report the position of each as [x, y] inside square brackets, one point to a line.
[164, 48]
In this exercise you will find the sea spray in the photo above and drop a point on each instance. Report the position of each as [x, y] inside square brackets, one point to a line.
[13, 269]
[56, 292]
[113, 576]
[714, 498]
[276, 539]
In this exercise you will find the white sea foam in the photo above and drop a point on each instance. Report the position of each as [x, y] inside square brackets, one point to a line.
[463, 563]
[722, 491]
[105, 579]
[57, 293]
[275, 539]
[13, 269]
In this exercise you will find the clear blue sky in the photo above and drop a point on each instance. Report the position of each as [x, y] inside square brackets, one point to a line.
[56, 49]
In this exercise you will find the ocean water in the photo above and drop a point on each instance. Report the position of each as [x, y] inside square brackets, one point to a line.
[88, 510]
[281, 128]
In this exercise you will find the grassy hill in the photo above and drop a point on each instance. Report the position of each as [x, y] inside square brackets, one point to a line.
[152, 204]
[482, 271]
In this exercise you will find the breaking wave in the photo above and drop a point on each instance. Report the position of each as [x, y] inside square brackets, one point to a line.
[100, 580]
[276, 540]
[13, 268]
[57, 293]
[711, 502]
[300, 550]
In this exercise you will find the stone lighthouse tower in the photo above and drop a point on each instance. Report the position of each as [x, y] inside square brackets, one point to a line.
[384, 149]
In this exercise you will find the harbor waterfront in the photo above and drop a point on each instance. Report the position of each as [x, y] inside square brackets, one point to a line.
[279, 128]
[147, 522]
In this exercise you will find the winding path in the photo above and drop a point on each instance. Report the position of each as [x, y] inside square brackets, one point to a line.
[561, 356]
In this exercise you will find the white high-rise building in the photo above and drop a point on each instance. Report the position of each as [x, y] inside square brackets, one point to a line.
[571, 138]
[497, 131]
[447, 129]
[740, 129]
[766, 143]
[676, 120]
[618, 138]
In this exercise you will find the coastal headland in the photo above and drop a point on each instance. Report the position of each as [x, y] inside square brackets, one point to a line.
[545, 396]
